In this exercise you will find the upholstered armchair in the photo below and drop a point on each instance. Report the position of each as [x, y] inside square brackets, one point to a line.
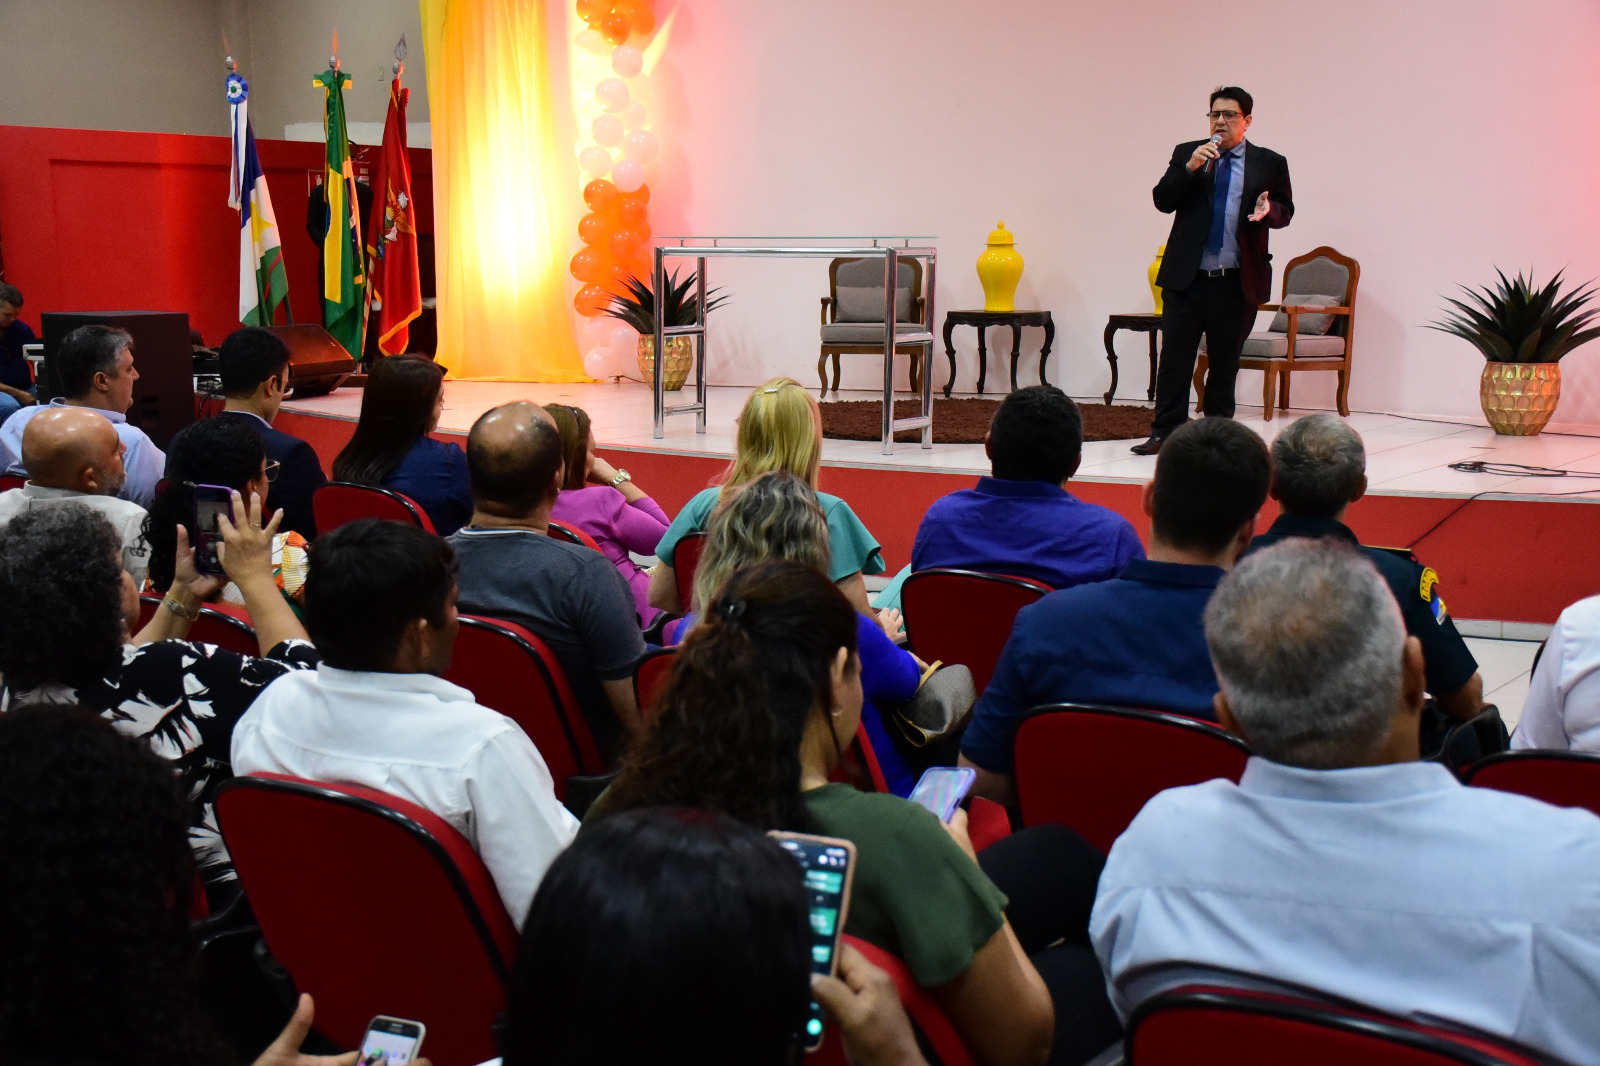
[1311, 330]
[852, 314]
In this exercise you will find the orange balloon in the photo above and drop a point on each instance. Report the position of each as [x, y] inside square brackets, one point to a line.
[592, 11]
[600, 195]
[593, 228]
[642, 194]
[616, 28]
[589, 264]
[639, 14]
[631, 211]
[642, 231]
[591, 301]
[623, 244]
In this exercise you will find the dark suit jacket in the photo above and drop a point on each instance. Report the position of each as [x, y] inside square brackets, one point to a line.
[1189, 194]
[299, 475]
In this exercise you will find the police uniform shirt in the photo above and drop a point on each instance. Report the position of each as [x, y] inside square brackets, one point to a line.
[1445, 656]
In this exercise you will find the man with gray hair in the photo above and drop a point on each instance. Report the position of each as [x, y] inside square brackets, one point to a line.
[1319, 468]
[1340, 863]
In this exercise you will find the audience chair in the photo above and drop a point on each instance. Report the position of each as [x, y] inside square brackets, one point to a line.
[650, 678]
[852, 315]
[938, 1032]
[374, 906]
[562, 531]
[963, 616]
[1201, 1025]
[1311, 330]
[339, 502]
[226, 625]
[859, 766]
[510, 670]
[1093, 768]
[1477, 738]
[11, 481]
[1559, 778]
[685, 561]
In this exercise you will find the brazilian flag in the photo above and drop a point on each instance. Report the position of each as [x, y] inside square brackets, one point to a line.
[344, 284]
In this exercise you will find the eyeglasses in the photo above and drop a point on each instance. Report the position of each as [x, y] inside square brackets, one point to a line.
[1226, 116]
[272, 469]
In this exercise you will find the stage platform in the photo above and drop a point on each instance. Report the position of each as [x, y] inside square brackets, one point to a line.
[1509, 549]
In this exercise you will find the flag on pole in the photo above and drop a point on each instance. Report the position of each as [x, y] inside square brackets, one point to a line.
[396, 283]
[344, 282]
[263, 283]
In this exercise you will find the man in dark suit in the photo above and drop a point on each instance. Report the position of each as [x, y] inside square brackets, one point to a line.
[1216, 271]
[255, 373]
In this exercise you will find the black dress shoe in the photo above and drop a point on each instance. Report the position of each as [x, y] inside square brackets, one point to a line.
[1149, 447]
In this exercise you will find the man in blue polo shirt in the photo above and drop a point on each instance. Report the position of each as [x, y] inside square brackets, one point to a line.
[1021, 520]
[1138, 640]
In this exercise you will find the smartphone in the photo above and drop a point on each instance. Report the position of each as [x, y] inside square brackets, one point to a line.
[391, 1041]
[827, 865]
[209, 502]
[942, 789]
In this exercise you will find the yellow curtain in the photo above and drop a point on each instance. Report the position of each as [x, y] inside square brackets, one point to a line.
[501, 211]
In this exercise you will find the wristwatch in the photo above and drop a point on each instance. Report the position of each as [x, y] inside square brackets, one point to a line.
[622, 475]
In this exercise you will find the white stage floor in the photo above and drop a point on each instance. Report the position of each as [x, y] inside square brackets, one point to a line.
[1406, 456]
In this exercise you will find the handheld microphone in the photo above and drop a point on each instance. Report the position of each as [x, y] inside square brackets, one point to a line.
[1211, 164]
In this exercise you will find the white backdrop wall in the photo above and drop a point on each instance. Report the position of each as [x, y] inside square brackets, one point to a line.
[1431, 139]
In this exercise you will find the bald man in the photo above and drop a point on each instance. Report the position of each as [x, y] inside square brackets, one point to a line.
[510, 568]
[74, 454]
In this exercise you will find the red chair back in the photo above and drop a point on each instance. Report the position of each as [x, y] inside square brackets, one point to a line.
[650, 678]
[685, 561]
[339, 502]
[919, 1004]
[510, 670]
[963, 616]
[226, 625]
[859, 766]
[11, 481]
[1205, 1026]
[1559, 778]
[1093, 768]
[374, 906]
[562, 531]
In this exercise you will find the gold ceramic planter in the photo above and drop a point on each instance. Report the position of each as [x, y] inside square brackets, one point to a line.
[1519, 398]
[680, 356]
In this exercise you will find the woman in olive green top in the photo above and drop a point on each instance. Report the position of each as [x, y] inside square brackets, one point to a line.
[765, 694]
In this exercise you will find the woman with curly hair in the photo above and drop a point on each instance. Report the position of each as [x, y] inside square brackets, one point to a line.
[97, 958]
[780, 428]
[67, 637]
[760, 703]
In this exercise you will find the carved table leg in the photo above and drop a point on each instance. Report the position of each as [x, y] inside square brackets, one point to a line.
[1044, 353]
[1150, 393]
[983, 360]
[1016, 352]
[1111, 357]
[950, 353]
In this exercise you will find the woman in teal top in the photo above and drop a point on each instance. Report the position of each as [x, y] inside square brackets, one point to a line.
[764, 696]
[779, 429]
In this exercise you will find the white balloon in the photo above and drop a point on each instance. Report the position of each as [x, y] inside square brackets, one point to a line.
[633, 116]
[640, 146]
[595, 161]
[626, 61]
[596, 331]
[597, 362]
[627, 176]
[592, 41]
[624, 341]
[612, 94]
[607, 130]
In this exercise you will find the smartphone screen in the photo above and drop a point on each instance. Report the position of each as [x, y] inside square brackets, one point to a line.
[210, 501]
[942, 788]
[390, 1042]
[826, 864]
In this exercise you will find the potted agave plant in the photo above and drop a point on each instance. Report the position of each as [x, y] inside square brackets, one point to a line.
[1523, 331]
[637, 307]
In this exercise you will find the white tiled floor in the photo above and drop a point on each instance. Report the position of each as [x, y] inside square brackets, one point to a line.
[1505, 666]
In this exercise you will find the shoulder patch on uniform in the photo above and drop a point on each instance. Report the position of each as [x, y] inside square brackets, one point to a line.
[1428, 588]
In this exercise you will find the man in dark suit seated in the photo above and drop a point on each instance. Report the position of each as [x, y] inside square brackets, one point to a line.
[255, 374]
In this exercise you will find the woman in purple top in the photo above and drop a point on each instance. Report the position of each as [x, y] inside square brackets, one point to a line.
[604, 503]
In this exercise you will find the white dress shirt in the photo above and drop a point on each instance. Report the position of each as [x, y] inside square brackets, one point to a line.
[144, 463]
[125, 517]
[425, 740]
[1563, 706]
[1393, 886]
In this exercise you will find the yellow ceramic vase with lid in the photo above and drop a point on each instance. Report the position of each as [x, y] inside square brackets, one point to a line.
[999, 269]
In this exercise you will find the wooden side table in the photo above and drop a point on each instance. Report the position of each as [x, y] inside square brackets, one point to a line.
[1141, 322]
[982, 320]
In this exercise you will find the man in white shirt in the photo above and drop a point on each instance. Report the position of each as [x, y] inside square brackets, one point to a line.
[75, 454]
[94, 366]
[1339, 864]
[380, 604]
[1563, 706]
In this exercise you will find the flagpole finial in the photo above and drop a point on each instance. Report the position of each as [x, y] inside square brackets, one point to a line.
[230, 65]
[400, 56]
[333, 60]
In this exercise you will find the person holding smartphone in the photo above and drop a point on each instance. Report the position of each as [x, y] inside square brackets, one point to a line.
[764, 698]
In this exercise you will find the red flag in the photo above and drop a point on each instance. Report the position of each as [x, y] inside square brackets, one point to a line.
[396, 284]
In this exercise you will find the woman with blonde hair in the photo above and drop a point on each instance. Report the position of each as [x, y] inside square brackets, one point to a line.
[779, 429]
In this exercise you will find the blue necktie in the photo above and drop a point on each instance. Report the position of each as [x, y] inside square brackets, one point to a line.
[1219, 204]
